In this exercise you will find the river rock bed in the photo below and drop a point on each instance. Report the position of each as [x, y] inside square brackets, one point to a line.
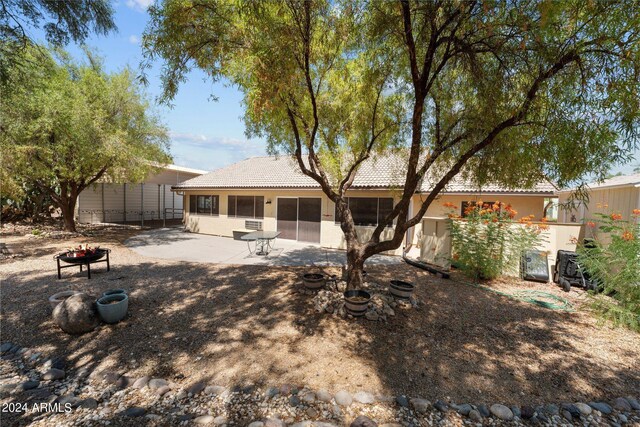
[80, 397]
[383, 305]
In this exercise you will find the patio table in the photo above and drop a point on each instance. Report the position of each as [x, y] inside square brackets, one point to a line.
[263, 241]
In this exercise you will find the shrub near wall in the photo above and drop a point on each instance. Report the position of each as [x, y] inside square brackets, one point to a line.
[488, 242]
[613, 259]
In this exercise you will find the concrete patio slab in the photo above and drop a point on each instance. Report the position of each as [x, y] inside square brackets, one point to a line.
[177, 244]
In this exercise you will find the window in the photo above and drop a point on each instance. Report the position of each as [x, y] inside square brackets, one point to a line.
[246, 206]
[206, 205]
[368, 211]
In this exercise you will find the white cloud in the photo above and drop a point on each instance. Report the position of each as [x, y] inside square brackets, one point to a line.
[211, 152]
[133, 39]
[140, 5]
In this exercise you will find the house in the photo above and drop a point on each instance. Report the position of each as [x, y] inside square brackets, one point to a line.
[619, 194]
[139, 202]
[271, 193]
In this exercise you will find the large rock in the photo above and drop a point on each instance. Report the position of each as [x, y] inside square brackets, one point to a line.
[501, 412]
[77, 314]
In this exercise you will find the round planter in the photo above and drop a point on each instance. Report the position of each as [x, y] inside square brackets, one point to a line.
[313, 280]
[356, 302]
[56, 299]
[400, 289]
[113, 308]
[114, 292]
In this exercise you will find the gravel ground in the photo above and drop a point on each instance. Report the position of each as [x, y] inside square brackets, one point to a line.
[252, 325]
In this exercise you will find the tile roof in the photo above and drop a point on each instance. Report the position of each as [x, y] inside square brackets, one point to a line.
[632, 180]
[283, 172]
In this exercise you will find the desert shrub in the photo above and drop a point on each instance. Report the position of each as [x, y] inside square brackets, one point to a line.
[612, 258]
[488, 242]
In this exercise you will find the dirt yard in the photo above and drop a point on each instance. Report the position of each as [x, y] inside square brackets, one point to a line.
[235, 325]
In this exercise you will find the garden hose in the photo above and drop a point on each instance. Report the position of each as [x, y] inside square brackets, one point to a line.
[539, 298]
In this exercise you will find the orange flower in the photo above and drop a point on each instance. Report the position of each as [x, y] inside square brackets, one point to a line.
[543, 227]
[606, 206]
[627, 235]
[616, 216]
[636, 212]
[591, 224]
[449, 205]
[494, 219]
[544, 219]
[532, 216]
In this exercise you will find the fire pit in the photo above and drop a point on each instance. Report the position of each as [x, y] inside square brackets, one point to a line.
[82, 256]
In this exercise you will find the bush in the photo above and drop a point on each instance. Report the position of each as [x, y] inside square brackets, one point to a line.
[487, 242]
[613, 260]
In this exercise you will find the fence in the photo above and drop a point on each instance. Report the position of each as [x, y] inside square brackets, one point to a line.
[119, 216]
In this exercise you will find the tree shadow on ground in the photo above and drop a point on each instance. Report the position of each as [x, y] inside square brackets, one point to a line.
[251, 325]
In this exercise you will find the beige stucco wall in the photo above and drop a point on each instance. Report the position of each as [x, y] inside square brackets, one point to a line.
[525, 205]
[331, 235]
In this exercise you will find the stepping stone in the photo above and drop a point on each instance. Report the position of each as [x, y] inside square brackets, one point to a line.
[343, 398]
[583, 408]
[88, 403]
[475, 416]
[501, 412]
[214, 390]
[633, 402]
[163, 390]
[621, 404]
[27, 385]
[402, 401]
[157, 383]
[364, 397]
[134, 412]
[53, 374]
[420, 405]
[204, 419]
[141, 383]
[324, 396]
[196, 388]
[441, 406]
[602, 407]
[363, 421]
[463, 409]
[527, 412]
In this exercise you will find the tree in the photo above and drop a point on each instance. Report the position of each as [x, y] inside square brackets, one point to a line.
[504, 91]
[62, 22]
[67, 125]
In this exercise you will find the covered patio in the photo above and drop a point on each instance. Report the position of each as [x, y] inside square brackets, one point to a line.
[177, 244]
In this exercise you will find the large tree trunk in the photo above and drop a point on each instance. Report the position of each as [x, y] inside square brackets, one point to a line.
[68, 207]
[355, 267]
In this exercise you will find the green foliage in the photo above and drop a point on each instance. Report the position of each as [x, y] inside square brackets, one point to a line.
[66, 125]
[503, 92]
[487, 243]
[613, 260]
[62, 21]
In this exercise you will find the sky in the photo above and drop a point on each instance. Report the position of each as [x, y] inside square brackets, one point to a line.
[205, 134]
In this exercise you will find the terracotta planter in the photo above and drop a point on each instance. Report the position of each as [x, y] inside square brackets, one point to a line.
[400, 289]
[356, 302]
[313, 280]
[113, 308]
[57, 298]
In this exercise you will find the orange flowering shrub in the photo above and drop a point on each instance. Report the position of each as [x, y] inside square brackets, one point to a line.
[487, 242]
[636, 212]
[613, 260]
[591, 224]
